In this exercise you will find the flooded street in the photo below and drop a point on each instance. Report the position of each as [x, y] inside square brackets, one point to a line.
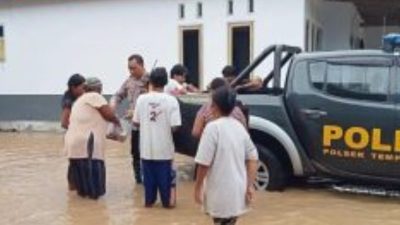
[33, 190]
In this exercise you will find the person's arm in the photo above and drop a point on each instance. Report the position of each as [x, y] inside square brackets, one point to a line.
[175, 115]
[98, 102]
[242, 86]
[137, 113]
[120, 95]
[199, 123]
[204, 158]
[192, 88]
[108, 114]
[251, 167]
[198, 126]
[66, 112]
[181, 91]
[198, 188]
[253, 84]
[177, 92]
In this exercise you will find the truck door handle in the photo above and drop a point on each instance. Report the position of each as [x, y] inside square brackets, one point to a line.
[314, 113]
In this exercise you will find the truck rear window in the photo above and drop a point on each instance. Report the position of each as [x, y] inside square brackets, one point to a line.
[351, 81]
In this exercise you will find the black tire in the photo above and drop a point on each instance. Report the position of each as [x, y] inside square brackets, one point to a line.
[277, 174]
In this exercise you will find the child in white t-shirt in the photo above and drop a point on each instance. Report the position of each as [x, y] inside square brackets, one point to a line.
[227, 160]
[177, 84]
[157, 114]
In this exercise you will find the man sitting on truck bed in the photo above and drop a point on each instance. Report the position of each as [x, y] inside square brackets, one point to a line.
[255, 83]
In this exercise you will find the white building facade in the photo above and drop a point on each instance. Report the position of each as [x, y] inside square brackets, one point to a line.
[43, 42]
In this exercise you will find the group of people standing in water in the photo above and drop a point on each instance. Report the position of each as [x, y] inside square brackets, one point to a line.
[226, 158]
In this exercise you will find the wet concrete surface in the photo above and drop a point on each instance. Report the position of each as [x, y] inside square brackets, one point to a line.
[33, 190]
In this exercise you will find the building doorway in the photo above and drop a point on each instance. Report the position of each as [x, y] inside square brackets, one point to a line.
[191, 53]
[313, 37]
[240, 49]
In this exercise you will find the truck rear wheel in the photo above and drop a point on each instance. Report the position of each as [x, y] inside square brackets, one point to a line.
[271, 174]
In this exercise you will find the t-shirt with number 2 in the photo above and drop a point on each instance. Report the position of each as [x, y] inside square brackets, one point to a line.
[157, 113]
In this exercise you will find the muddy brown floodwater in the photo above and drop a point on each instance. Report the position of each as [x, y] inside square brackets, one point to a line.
[33, 190]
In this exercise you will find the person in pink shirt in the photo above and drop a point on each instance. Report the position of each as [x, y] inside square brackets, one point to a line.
[205, 115]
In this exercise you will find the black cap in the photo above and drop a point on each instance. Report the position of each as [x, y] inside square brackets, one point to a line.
[76, 80]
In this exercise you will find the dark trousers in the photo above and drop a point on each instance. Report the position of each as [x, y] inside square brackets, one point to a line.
[88, 176]
[135, 151]
[70, 178]
[157, 176]
[225, 221]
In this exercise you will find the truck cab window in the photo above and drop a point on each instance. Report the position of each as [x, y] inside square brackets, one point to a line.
[317, 74]
[358, 82]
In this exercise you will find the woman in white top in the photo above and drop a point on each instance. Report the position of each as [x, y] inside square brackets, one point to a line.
[85, 140]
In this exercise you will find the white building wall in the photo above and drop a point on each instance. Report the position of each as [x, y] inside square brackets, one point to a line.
[274, 23]
[340, 21]
[374, 35]
[342, 29]
[47, 41]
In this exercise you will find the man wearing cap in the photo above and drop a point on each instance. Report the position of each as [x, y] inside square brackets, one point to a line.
[135, 85]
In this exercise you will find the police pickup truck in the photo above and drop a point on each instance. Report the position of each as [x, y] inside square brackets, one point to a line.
[336, 116]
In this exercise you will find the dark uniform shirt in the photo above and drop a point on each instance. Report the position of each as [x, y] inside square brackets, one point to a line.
[67, 100]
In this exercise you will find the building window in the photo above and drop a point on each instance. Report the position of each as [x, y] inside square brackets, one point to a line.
[181, 11]
[307, 37]
[240, 44]
[318, 41]
[190, 48]
[2, 47]
[251, 6]
[230, 7]
[199, 9]
[313, 37]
